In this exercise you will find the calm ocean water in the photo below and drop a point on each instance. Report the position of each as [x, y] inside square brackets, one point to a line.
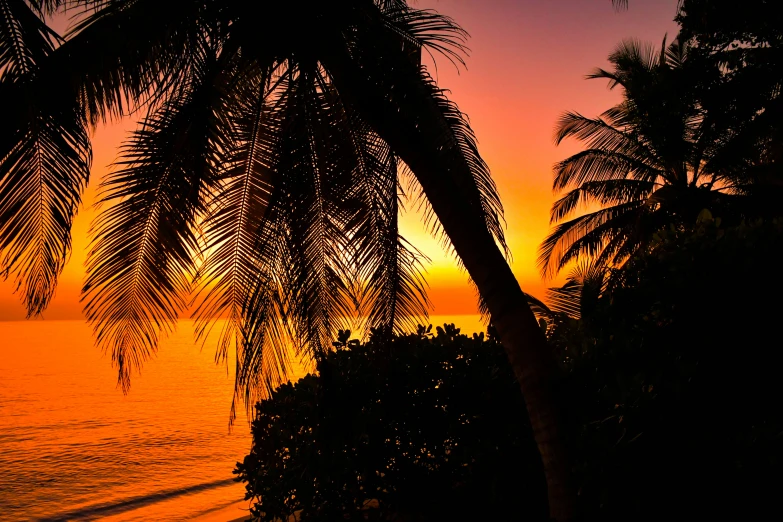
[73, 447]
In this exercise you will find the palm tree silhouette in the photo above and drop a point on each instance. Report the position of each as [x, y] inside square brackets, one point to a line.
[264, 177]
[657, 159]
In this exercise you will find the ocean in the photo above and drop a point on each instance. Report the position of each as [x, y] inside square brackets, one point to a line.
[74, 447]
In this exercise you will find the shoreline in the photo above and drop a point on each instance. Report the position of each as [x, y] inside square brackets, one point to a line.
[235, 512]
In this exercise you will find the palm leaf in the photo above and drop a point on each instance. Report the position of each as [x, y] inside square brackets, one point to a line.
[362, 66]
[41, 181]
[44, 161]
[623, 149]
[578, 296]
[634, 63]
[299, 252]
[319, 173]
[141, 261]
[393, 293]
[583, 235]
[620, 4]
[25, 40]
[611, 242]
[263, 349]
[237, 213]
[425, 29]
[598, 166]
[113, 76]
[611, 191]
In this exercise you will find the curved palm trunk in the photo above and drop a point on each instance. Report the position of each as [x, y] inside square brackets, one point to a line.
[401, 108]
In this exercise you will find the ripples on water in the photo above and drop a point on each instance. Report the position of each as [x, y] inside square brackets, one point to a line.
[73, 447]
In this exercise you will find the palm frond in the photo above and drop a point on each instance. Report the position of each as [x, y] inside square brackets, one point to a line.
[612, 151]
[308, 243]
[393, 294]
[598, 134]
[362, 69]
[480, 186]
[237, 212]
[539, 308]
[51, 7]
[113, 76]
[45, 161]
[141, 261]
[596, 165]
[583, 235]
[609, 243]
[264, 325]
[677, 53]
[481, 182]
[584, 285]
[426, 29]
[25, 40]
[566, 299]
[263, 350]
[319, 172]
[633, 55]
[634, 62]
[41, 181]
[605, 192]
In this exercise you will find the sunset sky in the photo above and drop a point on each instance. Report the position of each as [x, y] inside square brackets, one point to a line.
[527, 65]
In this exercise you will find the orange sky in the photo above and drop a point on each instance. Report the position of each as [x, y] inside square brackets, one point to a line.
[527, 64]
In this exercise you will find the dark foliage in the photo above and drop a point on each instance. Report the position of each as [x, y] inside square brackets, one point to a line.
[698, 127]
[255, 189]
[686, 136]
[745, 41]
[674, 383]
[45, 158]
[726, 25]
[415, 427]
[671, 381]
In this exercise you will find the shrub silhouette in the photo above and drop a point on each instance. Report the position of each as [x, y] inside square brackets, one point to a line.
[671, 377]
[415, 427]
[674, 380]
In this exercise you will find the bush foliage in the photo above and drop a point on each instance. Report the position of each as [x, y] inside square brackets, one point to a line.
[670, 381]
[416, 427]
[673, 380]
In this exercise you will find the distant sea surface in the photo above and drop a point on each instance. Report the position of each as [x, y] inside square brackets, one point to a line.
[73, 447]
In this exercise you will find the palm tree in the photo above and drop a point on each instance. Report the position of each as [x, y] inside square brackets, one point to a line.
[655, 160]
[264, 176]
[577, 298]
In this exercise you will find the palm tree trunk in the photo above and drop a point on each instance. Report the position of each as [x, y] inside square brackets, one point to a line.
[521, 336]
[399, 104]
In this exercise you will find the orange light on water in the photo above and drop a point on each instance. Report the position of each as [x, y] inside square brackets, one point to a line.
[63, 419]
